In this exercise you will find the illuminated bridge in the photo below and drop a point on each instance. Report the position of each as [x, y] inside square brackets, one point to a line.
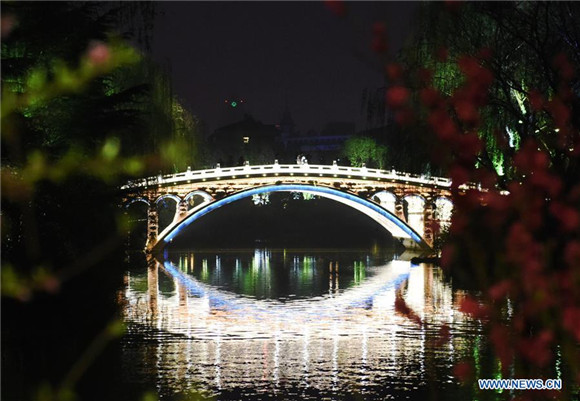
[412, 208]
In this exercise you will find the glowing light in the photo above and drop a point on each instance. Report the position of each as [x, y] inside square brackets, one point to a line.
[520, 99]
[416, 207]
[234, 104]
[386, 200]
[385, 218]
[512, 137]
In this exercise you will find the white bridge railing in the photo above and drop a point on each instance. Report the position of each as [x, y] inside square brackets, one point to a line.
[247, 171]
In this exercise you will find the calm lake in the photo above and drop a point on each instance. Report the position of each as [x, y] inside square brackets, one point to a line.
[292, 323]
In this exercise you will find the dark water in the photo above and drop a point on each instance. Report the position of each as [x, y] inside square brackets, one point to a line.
[281, 323]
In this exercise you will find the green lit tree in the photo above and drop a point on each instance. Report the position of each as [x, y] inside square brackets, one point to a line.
[365, 150]
[527, 47]
[496, 88]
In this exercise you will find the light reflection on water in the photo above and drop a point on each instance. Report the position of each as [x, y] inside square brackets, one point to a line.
[287, 323]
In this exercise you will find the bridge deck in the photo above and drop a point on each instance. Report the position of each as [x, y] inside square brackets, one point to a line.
[334, 171]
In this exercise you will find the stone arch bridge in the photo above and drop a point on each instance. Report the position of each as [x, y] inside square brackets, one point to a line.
[411, 207]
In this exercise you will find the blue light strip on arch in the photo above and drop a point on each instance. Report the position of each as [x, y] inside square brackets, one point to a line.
[290, 188]
[175, 198]
[135, 200]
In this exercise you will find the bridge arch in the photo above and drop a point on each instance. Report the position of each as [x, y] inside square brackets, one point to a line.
[204, 195]
[176, 198]
[443, 210]
[386, 199]
[130, 202]
[415, 210]
[398, 228]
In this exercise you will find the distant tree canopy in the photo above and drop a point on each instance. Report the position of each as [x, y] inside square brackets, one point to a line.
[529, 47]
[81, 112]
[364, 150]
[133, 103]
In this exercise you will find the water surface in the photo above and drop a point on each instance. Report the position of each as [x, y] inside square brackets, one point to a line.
[281, 323]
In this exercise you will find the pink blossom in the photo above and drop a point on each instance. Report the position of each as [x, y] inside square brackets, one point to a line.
[402, 308]
[537, 349]
[559, 111]
[463, 371]
[98, 53]
[569, 217]
[431, 97]
[572, 255]
[379, 28]
[397, 96]
[471, 307]
[500, 290]
[500, 338]
[447, 254]
[394, 71]
[337, 7]
[444, 335]
[443, 126]
[536, 100]
[571, 321]
[7, 24]
[466, 111]
[379, 44]
[459, 176]
[564, 67]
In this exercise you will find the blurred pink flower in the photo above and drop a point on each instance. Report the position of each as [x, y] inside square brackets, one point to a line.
[7, 24]
[397, 96]
[463, 371]
[98, 53]
[337, 7]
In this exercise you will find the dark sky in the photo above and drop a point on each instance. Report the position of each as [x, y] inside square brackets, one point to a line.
[267, 52]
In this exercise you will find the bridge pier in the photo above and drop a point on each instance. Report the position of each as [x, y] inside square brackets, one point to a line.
[399, 207]
[428, 222]
[152, 225]
[180, 210]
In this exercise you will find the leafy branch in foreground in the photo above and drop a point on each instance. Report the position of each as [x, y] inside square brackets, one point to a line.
[495, 89]
[73, 129]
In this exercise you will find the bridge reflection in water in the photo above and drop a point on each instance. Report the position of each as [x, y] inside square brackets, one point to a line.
[209, 322]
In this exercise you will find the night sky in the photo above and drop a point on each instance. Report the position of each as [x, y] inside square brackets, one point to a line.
[268, 52]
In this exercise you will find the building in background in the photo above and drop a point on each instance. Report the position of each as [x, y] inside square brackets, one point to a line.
[246, 140]
[320, 147]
